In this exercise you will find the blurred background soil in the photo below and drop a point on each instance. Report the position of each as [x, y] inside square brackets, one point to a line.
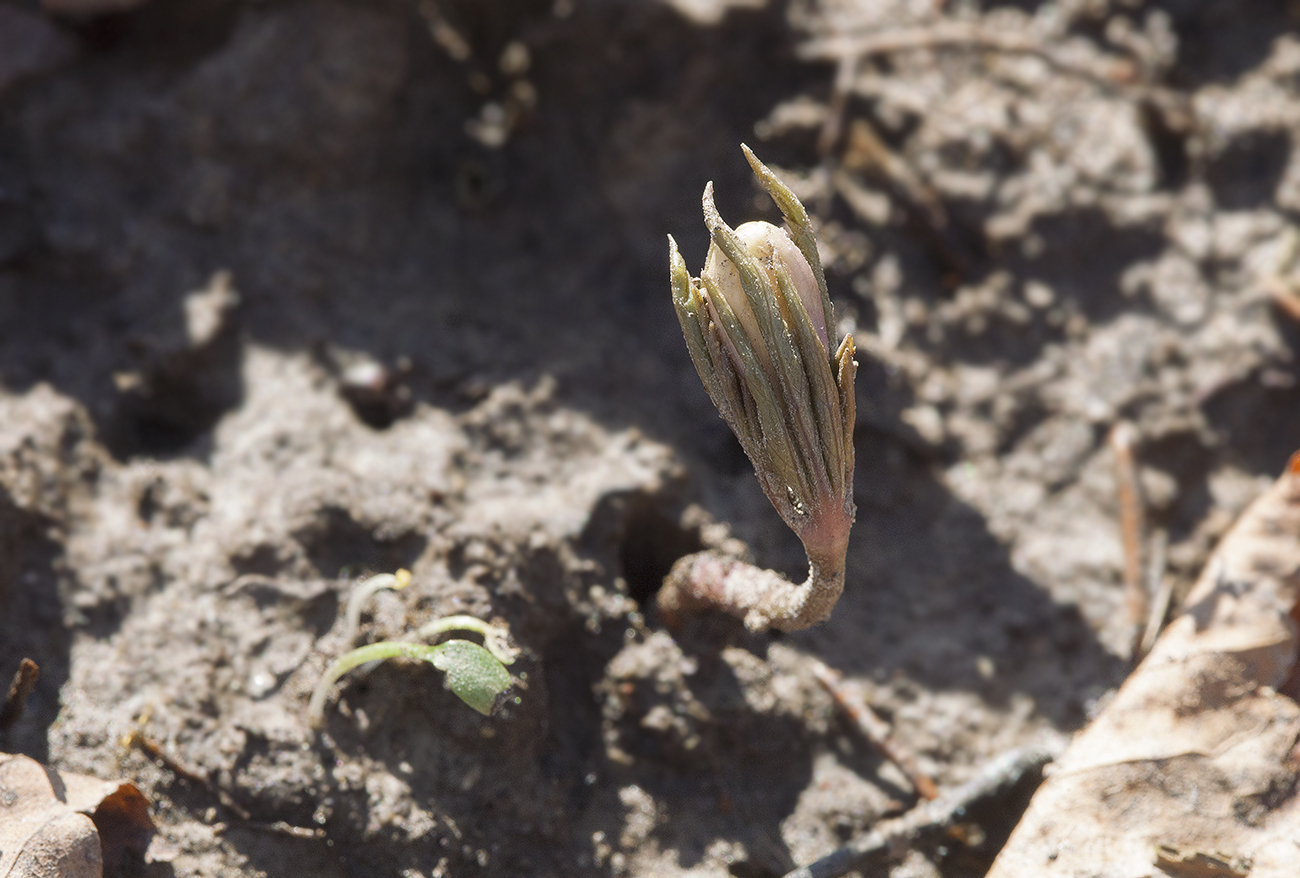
[296, 290]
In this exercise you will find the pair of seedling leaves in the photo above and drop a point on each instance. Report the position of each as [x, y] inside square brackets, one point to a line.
[476, 674]
[71, 826]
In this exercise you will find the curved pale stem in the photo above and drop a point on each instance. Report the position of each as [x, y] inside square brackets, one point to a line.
[395, 581]
[762, 598]
[495, 637]
[356, 658]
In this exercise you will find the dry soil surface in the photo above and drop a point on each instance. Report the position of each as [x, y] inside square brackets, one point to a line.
[291, 292]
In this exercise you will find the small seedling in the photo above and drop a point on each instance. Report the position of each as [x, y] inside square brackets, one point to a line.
[476, 674]
[757, 323]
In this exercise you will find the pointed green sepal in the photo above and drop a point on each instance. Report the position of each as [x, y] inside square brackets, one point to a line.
[801, 231]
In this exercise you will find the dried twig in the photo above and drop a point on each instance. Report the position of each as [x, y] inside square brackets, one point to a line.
[1282, 286]
[876, 730]
[849, 51]
[1132, 523]
[867, 152]
[1162, 589]
[153, 749]
[1285, 295]
[1111, 73]
[19, 691]
[999, 773]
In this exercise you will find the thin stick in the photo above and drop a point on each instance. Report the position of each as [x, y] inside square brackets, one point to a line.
[239, 583]
[1116, 73]
[153, 749]
[846, 73]
[19, 691]
[867, 152]
[999, 773]
[1282, 287]
[142, 742]
[1285, 295]
[1161, 586]
[1132, 524]
[876, 730]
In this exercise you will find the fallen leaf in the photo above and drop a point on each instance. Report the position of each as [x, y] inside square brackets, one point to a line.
[1192, 768]
[55, 825]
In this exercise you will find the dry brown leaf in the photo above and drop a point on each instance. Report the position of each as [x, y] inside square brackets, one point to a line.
[55, 825]
[1191, 770]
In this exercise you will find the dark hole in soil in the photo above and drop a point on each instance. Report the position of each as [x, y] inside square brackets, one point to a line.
[178, 400]
[263, 560]
[160, 435]
[1022, 5]
[337, 543]
[652, 541]
[995, 817]
[1247, 172]
[746, 869]
[1217, 42]
[377, 415]
[1259, 419]
[165, 34]
[1088, 255]
[1169, 144]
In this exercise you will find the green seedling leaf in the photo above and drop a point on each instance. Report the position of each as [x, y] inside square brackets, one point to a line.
[477, 674]
[473, 673]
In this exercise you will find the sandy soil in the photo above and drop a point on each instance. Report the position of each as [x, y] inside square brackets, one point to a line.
[295, 291]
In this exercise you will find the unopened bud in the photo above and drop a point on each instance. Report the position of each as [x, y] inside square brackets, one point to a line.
[756, 324]
[774, 252]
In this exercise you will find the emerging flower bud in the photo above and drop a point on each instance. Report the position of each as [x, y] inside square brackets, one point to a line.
[756, 323]
[774, 251]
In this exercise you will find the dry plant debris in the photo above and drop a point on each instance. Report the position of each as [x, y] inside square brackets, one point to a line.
[1132, 522]
[24, 681]
[1193, 767]
[874, 729]
[933, 814]
[59, 825]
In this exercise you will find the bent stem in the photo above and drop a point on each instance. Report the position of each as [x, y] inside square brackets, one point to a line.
[357, 657]
[362, 593]
[762, 598]
[475, 674]
[495, 637]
